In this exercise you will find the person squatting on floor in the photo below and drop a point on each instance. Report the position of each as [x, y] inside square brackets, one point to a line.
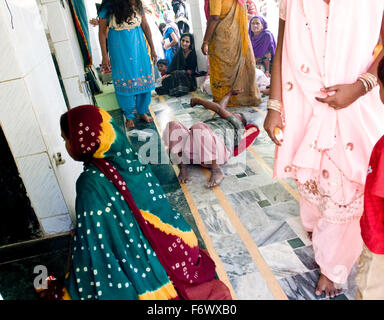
[370, 271]
[325, 98]
[210, 143]
[129, 243]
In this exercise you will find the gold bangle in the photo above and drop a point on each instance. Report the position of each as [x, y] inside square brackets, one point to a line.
[364, 82]
[369, 80]
[274, 104]
[275, 109]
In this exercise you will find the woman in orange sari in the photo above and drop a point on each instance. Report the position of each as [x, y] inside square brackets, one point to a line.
[231, 61]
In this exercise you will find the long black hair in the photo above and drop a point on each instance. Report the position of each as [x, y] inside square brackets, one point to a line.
[380, 71]
[123, 10]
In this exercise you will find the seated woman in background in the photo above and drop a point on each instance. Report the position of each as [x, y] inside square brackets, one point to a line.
[171, 36]
[182, 71]
[263, 43]
[129, 242]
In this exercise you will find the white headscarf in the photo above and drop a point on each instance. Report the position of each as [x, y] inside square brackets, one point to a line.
[168, 17]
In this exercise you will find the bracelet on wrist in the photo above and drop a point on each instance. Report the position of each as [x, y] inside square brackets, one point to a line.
[369, 81]
[274, 104]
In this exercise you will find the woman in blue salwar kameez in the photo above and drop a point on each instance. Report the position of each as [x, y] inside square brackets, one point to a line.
[130, 50]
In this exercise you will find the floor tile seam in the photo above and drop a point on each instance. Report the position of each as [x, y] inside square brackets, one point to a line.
[284, 184]
[250, 245]
[199, 222]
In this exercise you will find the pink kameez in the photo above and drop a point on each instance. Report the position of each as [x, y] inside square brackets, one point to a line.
[327, 151]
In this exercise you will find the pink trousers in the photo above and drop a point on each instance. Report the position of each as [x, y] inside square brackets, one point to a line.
[337, 246]
[197, 145]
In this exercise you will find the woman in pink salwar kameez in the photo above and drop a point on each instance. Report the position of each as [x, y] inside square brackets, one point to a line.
[330, 121]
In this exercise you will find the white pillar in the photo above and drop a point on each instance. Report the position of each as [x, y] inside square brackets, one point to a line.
[199, 24]
[93, 32]
[30, 100]
[64, 43]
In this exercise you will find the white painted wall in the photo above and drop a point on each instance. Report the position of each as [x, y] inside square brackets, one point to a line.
[31, 103]
[57, 16]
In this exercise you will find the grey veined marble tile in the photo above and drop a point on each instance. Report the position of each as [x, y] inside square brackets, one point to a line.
[283, 210]
[216, 220]
[282, 260]
[245, 198]
[301, 286]
[307, 257]
[251, 286]
[276, 193]
[272, 232]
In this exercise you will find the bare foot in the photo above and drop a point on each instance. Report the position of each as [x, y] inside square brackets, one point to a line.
[129, 124]
[146, 118]
[183, 175]
[324, 284]
[217, 176]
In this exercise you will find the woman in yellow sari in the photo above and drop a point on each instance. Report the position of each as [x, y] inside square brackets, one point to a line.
[231, 61]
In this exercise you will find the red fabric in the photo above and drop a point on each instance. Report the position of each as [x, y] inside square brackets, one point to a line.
[84, 136]
[372, 221]
[248, 139]
[203, 286]
[84, 124]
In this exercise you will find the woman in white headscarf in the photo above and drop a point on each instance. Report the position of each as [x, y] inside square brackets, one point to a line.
[171, 36]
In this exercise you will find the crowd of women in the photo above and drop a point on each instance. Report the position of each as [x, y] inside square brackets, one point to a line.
[129, 243]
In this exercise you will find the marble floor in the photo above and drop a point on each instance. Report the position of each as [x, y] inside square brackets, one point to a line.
[249, 224]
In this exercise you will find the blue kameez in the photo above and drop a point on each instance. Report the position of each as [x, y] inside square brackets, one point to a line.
[131, 68]
[169, 53]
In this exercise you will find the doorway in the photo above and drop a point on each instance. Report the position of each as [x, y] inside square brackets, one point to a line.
[18, 221]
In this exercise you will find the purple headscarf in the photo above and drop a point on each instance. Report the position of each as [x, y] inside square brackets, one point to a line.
[264, 42]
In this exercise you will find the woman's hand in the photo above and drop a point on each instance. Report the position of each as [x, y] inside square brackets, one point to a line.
[342, 96]
[204, 48]
[105, 64]
[153, 56]
[94, 22]
[273, 121]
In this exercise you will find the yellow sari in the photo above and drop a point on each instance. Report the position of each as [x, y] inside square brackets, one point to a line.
[231, 60]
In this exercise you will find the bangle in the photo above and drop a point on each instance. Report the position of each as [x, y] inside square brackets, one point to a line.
[364, 82]
[274, 104]
[369, 81]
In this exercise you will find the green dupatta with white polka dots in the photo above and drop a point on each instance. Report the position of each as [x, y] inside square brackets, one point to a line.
[111, 258]
[148, 253]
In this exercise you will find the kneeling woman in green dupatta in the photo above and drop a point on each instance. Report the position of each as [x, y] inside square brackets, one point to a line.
[129, 242]
[181, 73]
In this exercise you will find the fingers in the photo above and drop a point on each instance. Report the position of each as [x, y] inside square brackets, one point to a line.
[330, 89]
[327, 100]
[331, 101]
[272, 136]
